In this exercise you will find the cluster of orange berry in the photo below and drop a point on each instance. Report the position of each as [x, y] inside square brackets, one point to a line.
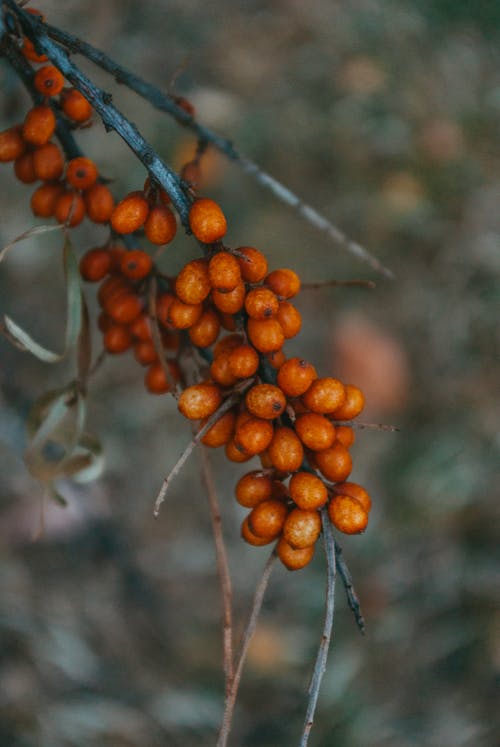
[284, 413]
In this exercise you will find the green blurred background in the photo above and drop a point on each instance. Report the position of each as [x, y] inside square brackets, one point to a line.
[385, 116]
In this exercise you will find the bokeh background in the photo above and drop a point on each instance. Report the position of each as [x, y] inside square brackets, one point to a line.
[385, 116]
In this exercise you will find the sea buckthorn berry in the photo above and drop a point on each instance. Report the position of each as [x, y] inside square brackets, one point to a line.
[124, 307]
[285, 450]
[130, 213]
[276, 359]
[145, 352]
[285, 283]
[116, 253]
[265, 334]
[156, 380]
[207, 221]
[354, 490]
[345, 434]
[243, 361]
[12, 144]
[23, 168]
[242, 417]
[136, 264]
[265, 401]
[230, 302]
[192, 284]
[70, 209]
[224, 272]
[335, 463]
[220, 432]
[307, 491]
[48, 162]
[206, 330]
[347, 514]
[289, 318]
[228, 343]
[81, 172]
[295, 376]
[99, 202]
[352, 405]
[199, 401]
[29, 51]
[117, 339]
[266, 519]
[111, 287]
[48, 80]
[44, 199]
[315, 431]
[301, 528]
[254, 436]
[75, 105]
[253, 488]
[261, 303]
[252, 538]
[294, 558]
[234, 454]
[184, 315]
[160, 226]
[324, 395]
[221, 372]
[163, 304]
[39, 125]
[253, 265]
[95, 265]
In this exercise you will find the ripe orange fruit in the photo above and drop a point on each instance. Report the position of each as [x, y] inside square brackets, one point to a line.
[252, 538]
[44, 199]
[48, 80]
[199, 401]
[95, 265]
[99, 203]
[192, 284]
[224, 272]
[301, 528]
[295, 376]
[352, 405]
[253, 488]
[12, 145]
[230, 302]
[285, 283]
[347, 514]
[207, 221]
[334, 463]
[23, 168]
[265, 334]
[253, 265]
[205, 331]
[136, 264]
[70, 209]
[261, 303]
[160, 226]
[39, 125]
[289, 319]
[75, 105]
[293, 558]
[285, 450]
[117, 339]
[315, 431]
[221, 431]
[324, 395]
[307, 490]
[130, 213]
[81, 172]
[266, 519]
[265, 401]
[354, 490]
[48, 162]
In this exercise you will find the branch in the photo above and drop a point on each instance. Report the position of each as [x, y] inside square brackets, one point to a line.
[338, 283]
[320, 665]
[352, 597]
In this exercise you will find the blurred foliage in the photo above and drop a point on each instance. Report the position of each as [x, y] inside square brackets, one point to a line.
[385, 116]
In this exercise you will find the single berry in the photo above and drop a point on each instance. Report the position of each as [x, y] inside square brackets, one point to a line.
[117, 339]
[12, 145]
[230, 302]
[243, 361]
[70, 209]
[265, 334]
[302, 528]
[285, 450]
[207, 221]
[199, 401]
[315, 431]
[184, 315]
[145, 352]
[354, 490]
[44, 199]
[224, 272]
[345, 434]
[136, 264]
[254, 436]
[265, 401]
[206, 330]
[48, 80]
[295, 376]
[352, 405]
[75, 105]
[292, 558]
[253, 488]
[48, 162]
[124, 308]
[160, 226]
[261, 303]
[334, 463]
[285, 283]
[289, 319]
[220, 432]
[156, 380]
[324, 395]
[95, 265]
[130, 214]
[307, 490]
[39, 125]
[81, 173]
[99, 203]
[266, 519]
[192, 284]
[252, 538]
[253, 264]
[234, 454]
[347, 514]
[24, 169]
[221, 372]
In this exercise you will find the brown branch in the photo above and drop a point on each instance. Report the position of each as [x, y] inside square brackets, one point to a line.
[338, 283]
[368, 426]
[352, 597]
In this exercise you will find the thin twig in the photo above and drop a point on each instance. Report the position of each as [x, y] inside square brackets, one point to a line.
[258, 598]
[368, 426]
[222, 568]
[320, 664]
[352, 597]
[338, 283]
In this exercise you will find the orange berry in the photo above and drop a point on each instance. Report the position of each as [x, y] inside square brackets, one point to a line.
[117, 339]
[23, 168]
[276, 359]
[265, 401]
[254, 436]
[163, 304]
[70, 209]
[12, 145]
[315, 431]
[192, 284]
[48, 80]
[294, 558]
[48, 162]
[253, 265]
[199, 401]
[207, 221]
[252, 538]
[99, 203]
[345, 435]
[160, 226]
[95, 265]
[347, 514]
[130, 213]
[335, 463]
[156, 380]
[136, 264]
[29, 51]
[324, 395]
[228, 343]
[253, 488]
[81, 172]
[285, 283]
[266, 519]
[234, 454]
[224, 272]
[184, 315]
[243, 361]
[307, 491]
[141, 328]
[261, 303]
[285, 450]
[206, 330]
[230, 302]
[124, 307]
[302, 528]
[220, 371]
[220, 432]
[354, 490]
[75, 105]
[289, 319]
[145, 352]
[39, 125]
[265, 334]
[111, 287]
[227, 321]
[295, 376]
[352, 405]
[44, 199]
